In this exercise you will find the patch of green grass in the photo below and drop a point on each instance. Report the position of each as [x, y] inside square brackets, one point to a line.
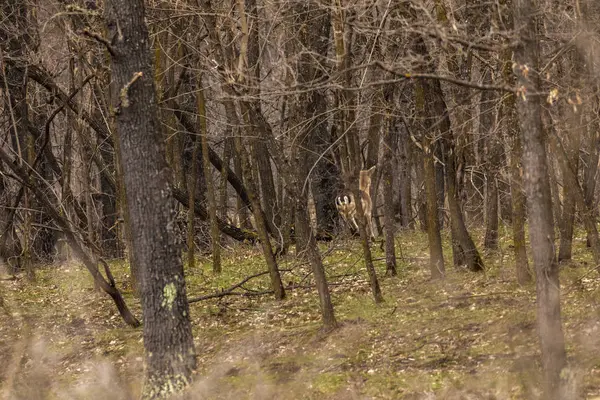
[328, 383]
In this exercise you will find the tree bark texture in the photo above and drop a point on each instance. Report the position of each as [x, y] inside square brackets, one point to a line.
[389, 148]
[537, 186]
[168, 341]
[437, 106]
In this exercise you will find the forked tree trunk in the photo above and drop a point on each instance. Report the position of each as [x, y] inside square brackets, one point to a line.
[168, 340]
[464, 243]
[537, 186]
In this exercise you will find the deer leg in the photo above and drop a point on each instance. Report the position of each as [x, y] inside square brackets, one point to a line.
[354, 223]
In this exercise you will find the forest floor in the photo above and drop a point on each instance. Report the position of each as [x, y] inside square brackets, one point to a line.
[471, 336]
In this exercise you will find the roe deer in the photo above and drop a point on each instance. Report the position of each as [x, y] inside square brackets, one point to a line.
[346, 205]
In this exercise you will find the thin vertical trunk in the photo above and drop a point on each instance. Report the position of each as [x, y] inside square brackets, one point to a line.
[389, 148]
[348, 103]
[492, 151]
[518, 205]
[464, 243]
[312, 253]
[405, 180]
[14, 41]
[259, 149]
[260, 218]
[223, 192]
[215, 235]
[537, 186]
[572, 181]
[191, 227]
[518, 199]
[436, 255]
[590, 170]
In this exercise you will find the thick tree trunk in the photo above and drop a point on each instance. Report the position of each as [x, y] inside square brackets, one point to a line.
[168, 341]
[537, 186]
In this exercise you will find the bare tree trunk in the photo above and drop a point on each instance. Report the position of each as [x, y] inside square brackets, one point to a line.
[223, 192]
[168, 340]
[571, 139]
[260, 151]
[405, 179]
[537, 186]
[435, 99]
[215, 235]
[191, 227]
[518, 199]
[590, 169]
[493, 152]
[14, 41]
[312, 253]
[432, 222]
[388, 197]
[348, 103]
[436, 255]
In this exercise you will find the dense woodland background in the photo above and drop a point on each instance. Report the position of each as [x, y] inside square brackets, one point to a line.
[171, 133]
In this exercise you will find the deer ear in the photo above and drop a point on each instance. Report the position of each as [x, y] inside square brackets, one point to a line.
[372, 169]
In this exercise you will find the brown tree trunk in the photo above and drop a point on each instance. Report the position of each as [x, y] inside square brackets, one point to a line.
[436, 255]
[215, 235]
[352, 143]
[259, 148]
[168, 340]
[590, 169]
[14, 41]
[435, 99]
[312, 253]
[405, 179]
[493, 153]
[389, 148]
[572, 115]
[518, 199]
[537, 186]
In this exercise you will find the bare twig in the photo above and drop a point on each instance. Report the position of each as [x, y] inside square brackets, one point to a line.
[102, 40]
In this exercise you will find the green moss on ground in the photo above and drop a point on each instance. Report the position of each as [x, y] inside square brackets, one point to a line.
[470, 336]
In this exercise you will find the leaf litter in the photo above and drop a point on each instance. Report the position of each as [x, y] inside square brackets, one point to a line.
[472, 336]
